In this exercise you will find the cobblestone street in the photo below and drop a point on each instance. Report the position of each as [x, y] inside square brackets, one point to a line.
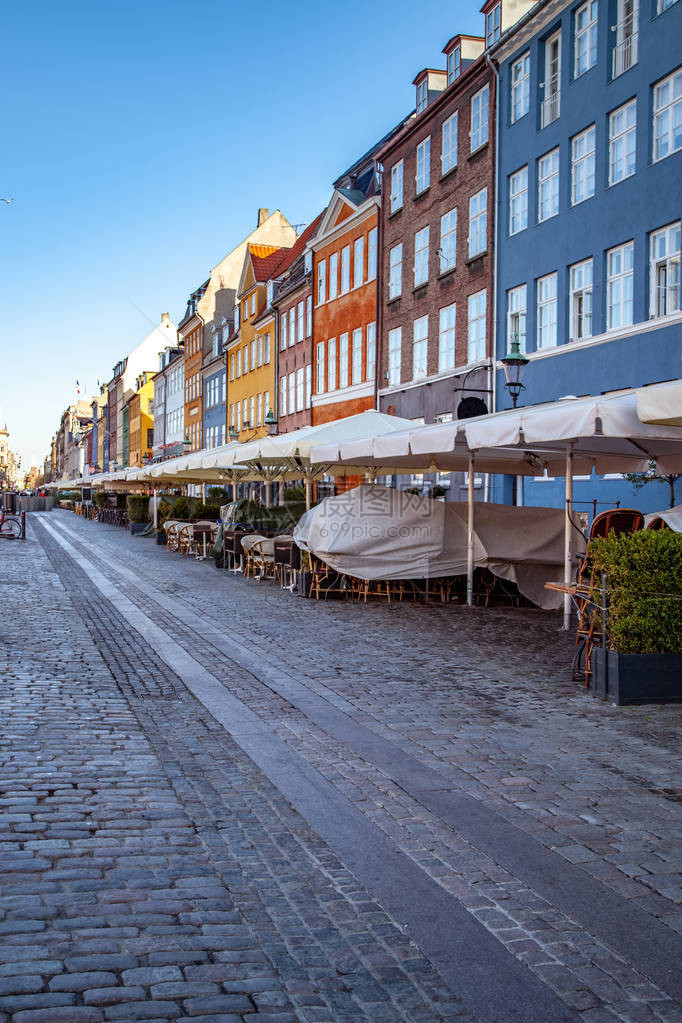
[220, 802]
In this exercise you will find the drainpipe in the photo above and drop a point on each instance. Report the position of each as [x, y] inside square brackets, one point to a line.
[493, 367]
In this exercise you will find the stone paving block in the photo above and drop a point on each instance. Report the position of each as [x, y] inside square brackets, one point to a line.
[81, 981]
[72, 1014]
[113, 995]
[143, 1010]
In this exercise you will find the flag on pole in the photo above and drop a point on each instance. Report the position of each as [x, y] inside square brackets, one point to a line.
[78, 388]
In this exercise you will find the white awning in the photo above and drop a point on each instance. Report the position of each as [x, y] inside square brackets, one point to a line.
[661, 404]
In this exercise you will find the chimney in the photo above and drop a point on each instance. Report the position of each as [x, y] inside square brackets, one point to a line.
[165, 319]
[263, 215]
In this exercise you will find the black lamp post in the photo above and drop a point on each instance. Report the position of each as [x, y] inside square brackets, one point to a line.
[514, 364]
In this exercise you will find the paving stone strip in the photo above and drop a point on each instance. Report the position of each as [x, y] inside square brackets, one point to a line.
[149, 870]
[565, 940]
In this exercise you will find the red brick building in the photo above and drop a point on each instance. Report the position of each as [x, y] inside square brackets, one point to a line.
[436, 259]
[190, 330]
[291, 296]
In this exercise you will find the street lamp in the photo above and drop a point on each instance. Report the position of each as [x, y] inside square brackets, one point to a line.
[233, 433]
[514, 364]
[271, 423]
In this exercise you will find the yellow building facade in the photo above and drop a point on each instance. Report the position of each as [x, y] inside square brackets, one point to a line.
[141, 419]
[251, 346]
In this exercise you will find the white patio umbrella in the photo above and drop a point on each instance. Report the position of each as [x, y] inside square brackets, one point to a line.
[661, 404]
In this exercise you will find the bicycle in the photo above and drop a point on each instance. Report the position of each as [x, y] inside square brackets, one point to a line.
[10, 529]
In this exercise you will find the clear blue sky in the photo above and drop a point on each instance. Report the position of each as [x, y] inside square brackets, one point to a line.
[141, 137]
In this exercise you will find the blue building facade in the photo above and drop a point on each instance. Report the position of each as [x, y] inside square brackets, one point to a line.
[214, 408]
[589, 205]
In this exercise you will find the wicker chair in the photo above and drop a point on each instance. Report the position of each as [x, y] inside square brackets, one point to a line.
[263, 559]
[248, 543]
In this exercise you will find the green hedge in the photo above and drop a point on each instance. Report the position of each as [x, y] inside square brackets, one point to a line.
[137, 507]
[644, 589]
[101, 498]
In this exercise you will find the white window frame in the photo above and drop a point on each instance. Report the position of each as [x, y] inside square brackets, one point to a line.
[308, 385]
[320, 368]
[292, 326]
[331, 364]
[478, 223]
[308, 315]
[394, 351]
[477, 311]
[517, 316]
[551, 87]
[395, 271]
[372, 254]
[333, 284]
[619, 286]
[300, 314]
[454, 64]
[480, 114]
[550, 163]
[448, 144]
[358, 262]
[420, 348]
[493, 24]
[423, 173]
[664, 270]
[448, 242]
[291, 400]
[356, 357]
[447, 318]
[345, 270]
[667, 106]
[622, 142]
[583, 151]
[396, 197]
[421, 257]
[580, 284]
[343, 360]
[300, 389]
[520, 87]
[585, 39]
[371, 351]
[518, 200]
[321, 282]
[422, 97]
[283, 396]
[546, 292]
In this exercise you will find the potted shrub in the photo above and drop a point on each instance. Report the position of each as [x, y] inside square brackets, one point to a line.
[137, 508]
[642, 658]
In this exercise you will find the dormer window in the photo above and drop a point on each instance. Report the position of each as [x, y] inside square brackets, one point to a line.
[422, 95]
[454, 64]
[492, 25]
[308, 262]
[270, 293]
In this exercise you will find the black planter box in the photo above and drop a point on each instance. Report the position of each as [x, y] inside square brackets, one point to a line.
[162, 538]
[137, 527]
[626, 679]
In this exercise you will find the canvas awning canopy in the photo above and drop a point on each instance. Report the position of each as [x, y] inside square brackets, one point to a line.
[671, 516]
[661, 404]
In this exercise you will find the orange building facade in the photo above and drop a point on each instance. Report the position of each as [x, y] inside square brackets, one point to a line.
[345, 300]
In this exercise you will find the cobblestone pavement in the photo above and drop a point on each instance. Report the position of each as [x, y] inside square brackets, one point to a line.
[548, 821]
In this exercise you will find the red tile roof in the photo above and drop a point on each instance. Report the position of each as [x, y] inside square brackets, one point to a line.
[299, 245]
[265, 260]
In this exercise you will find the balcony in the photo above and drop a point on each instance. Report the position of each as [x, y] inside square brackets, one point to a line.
[550, 106]
[625, 52]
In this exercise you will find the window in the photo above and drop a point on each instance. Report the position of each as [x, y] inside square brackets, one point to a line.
[239, 363]
[585, 38]
[668, 116]
[516, 317]
[343, 360]
[548, 185]
[300, 389]
[423, 178]
[292, 393]
[395, 272]
[356, 373]
[371, 354]
[358, 261]
[232, 367]
[331, 364]
[492, 25]
[236, 317]
[665, 270]
[395, 344]
[396, 200]
[622, 142]
[345, 269]
[476, 327]
[552, 84]
[580, 313]
[253, 303]
[421, 257]
[259, 409]
[333, 275]
[479, 119]
[582, 165]
[420, 344]
[478, 222]
[252, 355]
[308, 384]
[520, 87]
[619, 274]
[245, 309]
[446, 338]
[269, 294]
[320, 367]
[625, 50]
[518, 201]
[372, 254]
[266, 349]
[308, 316]
[546, 294]
[448, 241]
[252, 410]
[454, 64]
[321, 281]
[422, 95]
[260, 349]
[292, 326]
[448, 148]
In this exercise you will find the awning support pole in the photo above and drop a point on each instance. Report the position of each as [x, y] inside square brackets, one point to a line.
[470, 533]
[568, 536]
[308, 489]
[156, 509]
